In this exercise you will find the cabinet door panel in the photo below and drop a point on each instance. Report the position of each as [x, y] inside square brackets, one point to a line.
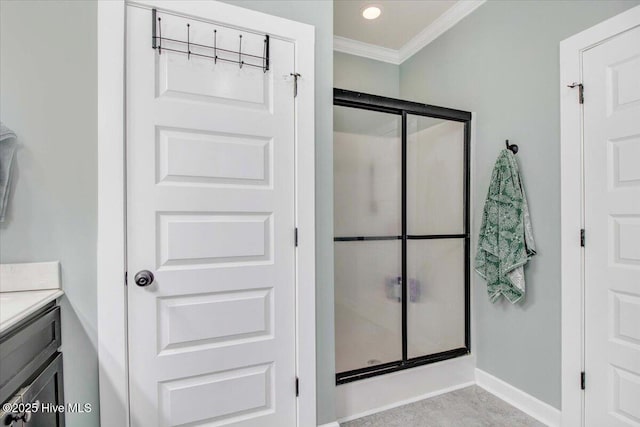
[46, 390]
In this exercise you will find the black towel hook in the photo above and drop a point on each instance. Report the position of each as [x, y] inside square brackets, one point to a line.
[512, 147]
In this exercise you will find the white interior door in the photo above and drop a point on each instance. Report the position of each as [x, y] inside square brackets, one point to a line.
[611, 74]
[210, 212]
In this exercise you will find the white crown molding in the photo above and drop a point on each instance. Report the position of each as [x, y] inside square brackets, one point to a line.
[366, 50]
[451, 17]
[438, 27]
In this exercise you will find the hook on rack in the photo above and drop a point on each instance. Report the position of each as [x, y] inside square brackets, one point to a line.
[215, 46]
[265, 55]
[188, 41]
[156, 41]
[512, 147]
[240, 61]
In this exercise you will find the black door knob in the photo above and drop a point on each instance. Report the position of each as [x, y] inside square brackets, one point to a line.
[144, 278]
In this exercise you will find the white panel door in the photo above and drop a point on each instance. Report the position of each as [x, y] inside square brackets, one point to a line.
[612, 223]
[210, 212]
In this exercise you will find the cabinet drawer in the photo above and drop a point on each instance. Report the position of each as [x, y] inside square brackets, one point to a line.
[24, 351]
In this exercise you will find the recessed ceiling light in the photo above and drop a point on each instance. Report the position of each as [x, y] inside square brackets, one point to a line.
[371, 12]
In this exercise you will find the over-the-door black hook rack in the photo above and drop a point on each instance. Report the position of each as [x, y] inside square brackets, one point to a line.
[512, 147]
[204, 51]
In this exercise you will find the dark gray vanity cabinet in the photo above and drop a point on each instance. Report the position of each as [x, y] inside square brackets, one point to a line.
[31, 372]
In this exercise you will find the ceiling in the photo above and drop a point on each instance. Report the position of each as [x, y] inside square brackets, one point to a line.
[400, 21]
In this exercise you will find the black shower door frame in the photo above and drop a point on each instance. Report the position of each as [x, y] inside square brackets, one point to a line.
[347, 98]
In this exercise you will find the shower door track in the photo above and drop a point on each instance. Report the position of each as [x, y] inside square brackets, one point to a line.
[346, 98]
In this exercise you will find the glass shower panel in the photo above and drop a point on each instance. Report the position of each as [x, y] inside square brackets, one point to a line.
[367, 175]
[367, 222]
[436, 303]
[435, 176]
[368, 309]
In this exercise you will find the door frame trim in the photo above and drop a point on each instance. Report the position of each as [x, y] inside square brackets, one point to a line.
[111, 247]
[572, 206]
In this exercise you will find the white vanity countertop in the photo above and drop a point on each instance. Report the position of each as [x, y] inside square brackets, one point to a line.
[26, 288]
[16, 306]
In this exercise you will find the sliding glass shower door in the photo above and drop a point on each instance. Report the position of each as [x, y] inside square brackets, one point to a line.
[436, 237]
[367, 223]
[401, 240]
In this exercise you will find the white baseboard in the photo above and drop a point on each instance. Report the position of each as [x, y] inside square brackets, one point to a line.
[528, 404]
[367, 397]
[361, 398]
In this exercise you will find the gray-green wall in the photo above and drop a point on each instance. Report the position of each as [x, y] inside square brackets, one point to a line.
[502, 62]
[365, 75]
[48, 96]
[319, 14]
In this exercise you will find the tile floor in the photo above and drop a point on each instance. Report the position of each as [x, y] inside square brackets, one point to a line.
[467, 407]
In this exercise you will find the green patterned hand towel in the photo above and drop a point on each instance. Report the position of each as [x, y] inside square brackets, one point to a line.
[506, 238]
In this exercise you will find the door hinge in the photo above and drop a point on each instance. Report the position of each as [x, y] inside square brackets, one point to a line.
[295, 237]
[297, 387]
[582, 381]
[582, 237]
[126, 283]
[580, 87]
[295, 83]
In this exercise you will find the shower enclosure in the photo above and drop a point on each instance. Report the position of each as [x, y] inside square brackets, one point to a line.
[401, 221]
